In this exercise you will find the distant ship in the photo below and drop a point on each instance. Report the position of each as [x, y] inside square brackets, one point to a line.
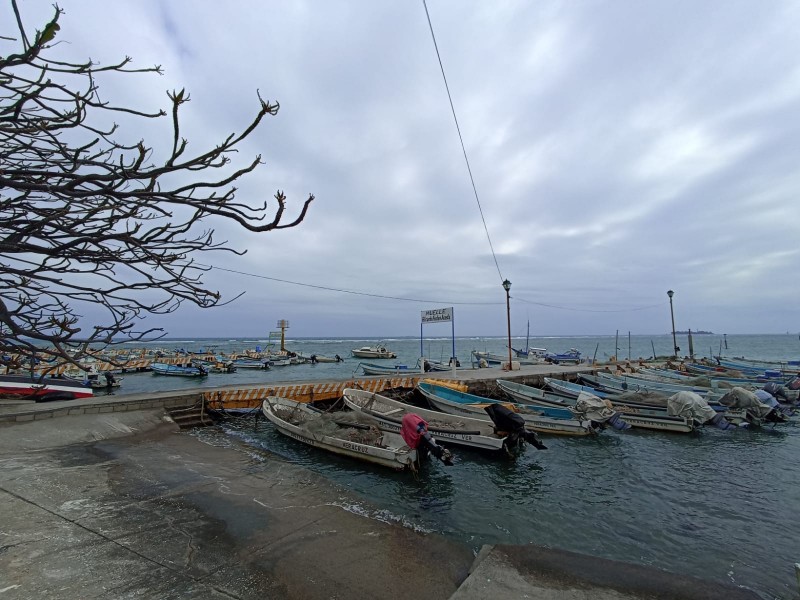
[698, 332]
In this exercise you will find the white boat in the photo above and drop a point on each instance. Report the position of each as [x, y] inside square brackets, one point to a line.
[301, 422]
[403, 370]
[250, 363]
[493, 358]
[388, 414]
[178, 370]
[379, 351]
[278, 362]
[639, 416]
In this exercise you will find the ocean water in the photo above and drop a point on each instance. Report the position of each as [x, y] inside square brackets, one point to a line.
[716, 505]
[767, 347]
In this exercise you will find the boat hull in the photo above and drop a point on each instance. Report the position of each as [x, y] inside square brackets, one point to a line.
[396, 455]
[388, 414]
[373, 352]
[43, 390]
[533, 422]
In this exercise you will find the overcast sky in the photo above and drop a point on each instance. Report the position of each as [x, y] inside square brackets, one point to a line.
[618, 149]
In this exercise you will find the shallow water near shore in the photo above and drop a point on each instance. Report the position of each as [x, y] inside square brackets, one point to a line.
[716, 505]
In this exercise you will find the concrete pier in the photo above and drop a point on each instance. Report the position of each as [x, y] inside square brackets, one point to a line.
[480, 381]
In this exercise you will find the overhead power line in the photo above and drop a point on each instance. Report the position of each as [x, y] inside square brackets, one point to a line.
[343, 291]
[418, 300]
[461, 139]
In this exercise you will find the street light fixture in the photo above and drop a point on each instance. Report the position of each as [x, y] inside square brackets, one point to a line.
[507, 288]
[675, 348]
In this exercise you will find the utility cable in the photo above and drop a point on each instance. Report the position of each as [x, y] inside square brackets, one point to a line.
[418, 300]
[343, 291]
[594, 310]
[461, 139]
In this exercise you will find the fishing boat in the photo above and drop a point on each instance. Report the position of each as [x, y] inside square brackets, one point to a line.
[218, 365]
[643, 398]
[387, 370]
[493, 358]
[178, 370]
[624, 383]
[732, 370]
[570, 357]
[277, 361]
[533, 354]
[321, 430]
[758, 411]
[639, 416]
[378, 351]
[43, 389]
[479, 434]
[536, 419]
[402, 370]
[573, 390]
[759, 367]
[250, 363]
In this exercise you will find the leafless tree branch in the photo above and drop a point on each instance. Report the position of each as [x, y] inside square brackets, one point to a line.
[86, 219]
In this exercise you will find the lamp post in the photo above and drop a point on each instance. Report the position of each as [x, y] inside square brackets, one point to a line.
[675, 348]
[507, 288]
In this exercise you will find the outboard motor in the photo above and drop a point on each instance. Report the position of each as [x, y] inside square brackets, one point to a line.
[720, 422]
[617, 422]
[756, 409]
[599, 412]
[765, 397]
[776, 390]
[414, 431]
[694, 406]
[508, 422]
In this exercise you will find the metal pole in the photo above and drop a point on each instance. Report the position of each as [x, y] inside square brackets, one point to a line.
[507, 288]
[672, 314]
[508, 314]
[453, 333]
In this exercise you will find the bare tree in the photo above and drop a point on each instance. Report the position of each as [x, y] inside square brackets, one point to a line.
[87, 220]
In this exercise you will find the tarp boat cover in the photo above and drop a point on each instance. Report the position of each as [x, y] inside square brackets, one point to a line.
[690, 405]
[742, 398]
[590, 407]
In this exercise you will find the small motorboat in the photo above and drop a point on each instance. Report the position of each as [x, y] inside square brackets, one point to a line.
[481, 434]
[378, 351]
[43, 389]
[364, 442]
[178, 370]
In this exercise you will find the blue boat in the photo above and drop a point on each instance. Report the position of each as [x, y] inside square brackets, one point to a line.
[565, 421]
[429, 389]
[572, 356]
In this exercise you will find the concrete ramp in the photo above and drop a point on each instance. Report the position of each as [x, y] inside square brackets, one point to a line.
[535, 572]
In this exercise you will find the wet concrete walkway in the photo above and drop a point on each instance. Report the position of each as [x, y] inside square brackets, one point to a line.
[124, 505]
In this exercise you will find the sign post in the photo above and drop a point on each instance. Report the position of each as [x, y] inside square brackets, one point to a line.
[439, 315]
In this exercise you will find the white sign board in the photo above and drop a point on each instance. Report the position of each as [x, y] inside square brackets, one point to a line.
[437, 315]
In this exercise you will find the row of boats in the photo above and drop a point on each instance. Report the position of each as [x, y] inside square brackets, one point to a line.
[371, 425]
[529, 356]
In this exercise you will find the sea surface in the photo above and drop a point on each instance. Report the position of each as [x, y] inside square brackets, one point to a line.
[714, 504]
